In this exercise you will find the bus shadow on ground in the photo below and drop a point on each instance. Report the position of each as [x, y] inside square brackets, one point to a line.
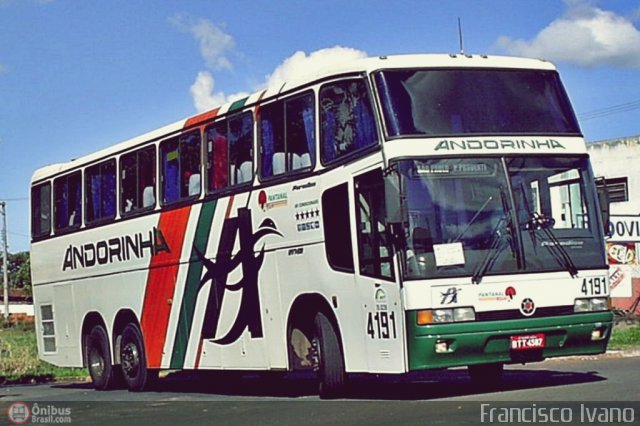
[419, 386]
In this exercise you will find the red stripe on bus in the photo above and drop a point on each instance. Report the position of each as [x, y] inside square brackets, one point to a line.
[198, 355]
[199, 119]
[161, 283]
[228, 212]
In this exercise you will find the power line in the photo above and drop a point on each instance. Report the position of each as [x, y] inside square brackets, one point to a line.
[611, 110]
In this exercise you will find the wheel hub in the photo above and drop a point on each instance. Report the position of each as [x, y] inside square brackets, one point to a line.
[96, 362]
[130, 359]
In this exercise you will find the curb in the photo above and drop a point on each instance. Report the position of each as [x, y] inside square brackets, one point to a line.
[619, 353]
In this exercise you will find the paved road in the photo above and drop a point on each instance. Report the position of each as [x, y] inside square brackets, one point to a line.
[441, 397]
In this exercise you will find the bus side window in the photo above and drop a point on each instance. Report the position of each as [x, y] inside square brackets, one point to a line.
[337, 231]
[375, 254]
[41, 210]
[272, 160]
[240, 138]
[100, 191]
[68, 202]
[180, 168]
[138, 180]
[190, 165]
[287, 136]
[217, 156]
[300, 130]
[346, 117]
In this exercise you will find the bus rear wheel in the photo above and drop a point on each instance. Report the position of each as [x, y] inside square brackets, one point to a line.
[327, 359]
[98, 355]
[134, 361]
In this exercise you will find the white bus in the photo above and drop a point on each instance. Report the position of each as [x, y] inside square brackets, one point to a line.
[394, 215]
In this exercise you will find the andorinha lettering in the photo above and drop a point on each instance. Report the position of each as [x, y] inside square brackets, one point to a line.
[118, 249]
[489, 144]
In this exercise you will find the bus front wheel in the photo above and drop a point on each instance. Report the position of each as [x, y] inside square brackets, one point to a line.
[328, 360]
[99, 359]
[134, 361]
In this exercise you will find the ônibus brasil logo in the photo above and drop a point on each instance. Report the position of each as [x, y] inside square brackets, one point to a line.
[18, 413]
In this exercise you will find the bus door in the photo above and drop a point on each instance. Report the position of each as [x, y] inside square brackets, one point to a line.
[376, 279]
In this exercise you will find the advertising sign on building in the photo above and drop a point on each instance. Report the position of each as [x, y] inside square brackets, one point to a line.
[622, 253]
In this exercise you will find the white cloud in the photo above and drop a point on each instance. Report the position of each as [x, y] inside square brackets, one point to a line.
[204, 96]
[297, 65]
[300, 64]
[586, 36]
[214, 43]
[216, 46]
[3, 69]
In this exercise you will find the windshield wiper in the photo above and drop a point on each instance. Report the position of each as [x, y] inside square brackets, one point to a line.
[538, 222]
[504, 229]
[495, 248]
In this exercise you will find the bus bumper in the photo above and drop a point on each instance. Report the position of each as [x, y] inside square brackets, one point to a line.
[468, 343]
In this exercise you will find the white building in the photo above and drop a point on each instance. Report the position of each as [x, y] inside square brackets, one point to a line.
[618, 161]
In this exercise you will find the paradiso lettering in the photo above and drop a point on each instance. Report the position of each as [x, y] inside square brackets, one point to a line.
[118, 249]
[489, 144]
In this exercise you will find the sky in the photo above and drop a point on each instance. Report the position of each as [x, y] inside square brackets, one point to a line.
[79, 76]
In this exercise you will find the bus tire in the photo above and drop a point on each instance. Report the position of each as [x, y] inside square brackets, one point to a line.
[486, 375]
[98, 357]
[134, 361]
[328, 358]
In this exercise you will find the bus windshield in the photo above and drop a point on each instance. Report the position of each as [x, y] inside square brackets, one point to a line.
[474, 101]
[487, 216]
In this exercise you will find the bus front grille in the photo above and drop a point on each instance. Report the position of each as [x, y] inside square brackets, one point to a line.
[510, 314]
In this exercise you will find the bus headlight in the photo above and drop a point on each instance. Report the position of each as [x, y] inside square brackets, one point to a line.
[592, 304]
[443, 316]
[464, 314]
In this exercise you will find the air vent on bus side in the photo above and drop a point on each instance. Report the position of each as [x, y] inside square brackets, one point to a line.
[48, 328]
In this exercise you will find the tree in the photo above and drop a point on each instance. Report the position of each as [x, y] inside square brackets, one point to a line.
[19, 270]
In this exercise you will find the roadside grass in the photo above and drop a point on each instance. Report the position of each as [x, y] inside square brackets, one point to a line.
[19, 362]
[625, 337]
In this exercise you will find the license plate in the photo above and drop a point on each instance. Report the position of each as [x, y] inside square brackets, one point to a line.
[528, 341]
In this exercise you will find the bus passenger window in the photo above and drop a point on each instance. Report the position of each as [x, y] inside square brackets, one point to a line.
[190, 165]
[346, 117]
[180, 167]
[41, 210]
[273, 159]
[68, 201]
[217, 157]
[300, 132]
[287, 137]
[240, 148]
[100, 190]
[169, 156]
[138, 180]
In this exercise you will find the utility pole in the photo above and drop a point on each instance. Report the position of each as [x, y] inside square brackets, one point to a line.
[5, 272]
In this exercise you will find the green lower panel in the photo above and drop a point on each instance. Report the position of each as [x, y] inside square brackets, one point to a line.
[485, 342]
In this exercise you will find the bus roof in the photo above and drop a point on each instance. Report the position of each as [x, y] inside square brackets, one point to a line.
[364, 65]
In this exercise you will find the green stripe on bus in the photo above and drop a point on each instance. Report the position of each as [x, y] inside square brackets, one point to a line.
[238, 104]
[192, 285]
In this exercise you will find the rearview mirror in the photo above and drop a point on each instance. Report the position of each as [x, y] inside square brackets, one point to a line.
[393, 198]
[603, 201]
